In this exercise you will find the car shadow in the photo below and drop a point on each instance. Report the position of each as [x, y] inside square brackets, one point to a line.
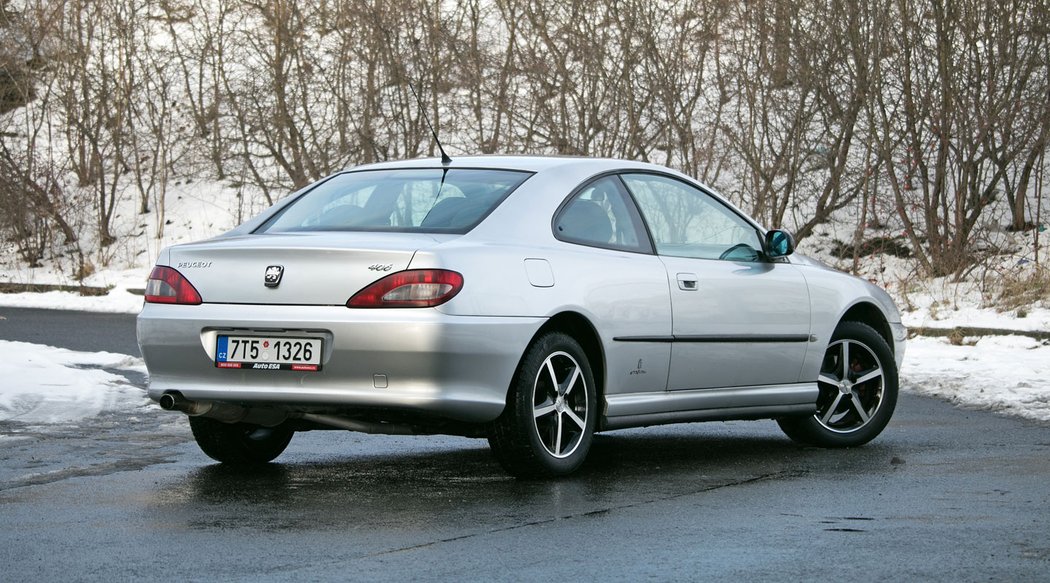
[420, 485]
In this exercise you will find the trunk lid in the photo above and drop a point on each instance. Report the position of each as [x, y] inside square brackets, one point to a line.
[316, 268]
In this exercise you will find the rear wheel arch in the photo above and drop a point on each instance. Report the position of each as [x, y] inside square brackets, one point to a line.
[552, 409]
[580, 328]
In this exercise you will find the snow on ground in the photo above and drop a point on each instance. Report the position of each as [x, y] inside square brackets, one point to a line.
[1036, 319]
[47, 385]
[192, 211]
[1002, 373]
[118, 301]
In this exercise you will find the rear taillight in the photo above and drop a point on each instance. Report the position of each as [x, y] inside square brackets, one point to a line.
[167, 286]
[416, 288]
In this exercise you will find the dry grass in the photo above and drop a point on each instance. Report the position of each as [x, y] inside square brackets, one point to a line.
[1022, 290]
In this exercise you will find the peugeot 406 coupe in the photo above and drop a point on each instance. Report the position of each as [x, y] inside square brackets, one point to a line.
[532, 301]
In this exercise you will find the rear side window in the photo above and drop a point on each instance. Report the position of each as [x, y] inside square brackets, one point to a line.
[601, 215]
[411, 200]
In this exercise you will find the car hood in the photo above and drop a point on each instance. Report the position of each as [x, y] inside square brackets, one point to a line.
[800, 259]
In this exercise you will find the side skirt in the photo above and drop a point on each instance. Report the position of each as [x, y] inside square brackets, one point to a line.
[642, 409]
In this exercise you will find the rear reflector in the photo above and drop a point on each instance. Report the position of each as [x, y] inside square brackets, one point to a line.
[167, 286]
[415, 288]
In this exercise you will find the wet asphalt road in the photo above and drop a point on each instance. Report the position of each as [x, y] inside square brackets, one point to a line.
[944, 494]
[85, 331]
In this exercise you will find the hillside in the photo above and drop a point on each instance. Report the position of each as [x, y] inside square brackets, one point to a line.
[906, 144]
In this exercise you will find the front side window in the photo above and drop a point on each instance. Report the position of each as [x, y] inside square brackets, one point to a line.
[684, 221]
[601, 215]
[410, 200]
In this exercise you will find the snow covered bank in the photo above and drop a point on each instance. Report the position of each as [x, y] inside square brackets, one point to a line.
[1010, 374]
[46, 385]
[118, 301]
[968, 311]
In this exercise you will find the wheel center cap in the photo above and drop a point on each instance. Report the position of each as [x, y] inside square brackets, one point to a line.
[846, 387]
[559, 404]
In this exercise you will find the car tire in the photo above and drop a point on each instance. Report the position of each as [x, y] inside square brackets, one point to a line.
[239, 443]
[548, 425]
[858, 391]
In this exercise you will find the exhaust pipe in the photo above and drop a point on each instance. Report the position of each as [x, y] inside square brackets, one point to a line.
[359, 426]
[174, 401]
[167, 401]
[225, 412]
[230, 413]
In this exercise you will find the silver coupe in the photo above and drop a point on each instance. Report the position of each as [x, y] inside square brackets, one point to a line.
[532, 301]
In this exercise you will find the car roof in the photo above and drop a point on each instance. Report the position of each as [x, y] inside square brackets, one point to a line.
[575, 168]
[517, 162]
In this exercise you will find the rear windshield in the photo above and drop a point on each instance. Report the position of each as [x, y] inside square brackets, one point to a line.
[413, 200]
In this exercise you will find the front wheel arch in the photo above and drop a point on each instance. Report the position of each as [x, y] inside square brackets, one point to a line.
[868, 313]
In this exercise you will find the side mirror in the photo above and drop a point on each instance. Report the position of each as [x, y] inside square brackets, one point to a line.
[779, 243]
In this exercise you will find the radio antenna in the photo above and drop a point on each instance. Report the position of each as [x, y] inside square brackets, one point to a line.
[445, 160]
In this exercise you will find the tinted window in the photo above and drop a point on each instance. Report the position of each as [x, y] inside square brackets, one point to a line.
[421, 200]
[687, 222]
[601, 215]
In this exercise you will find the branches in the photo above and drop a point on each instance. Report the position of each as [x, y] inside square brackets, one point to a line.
[794, 110]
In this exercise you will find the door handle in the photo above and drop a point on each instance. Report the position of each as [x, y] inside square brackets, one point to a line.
[688, 282]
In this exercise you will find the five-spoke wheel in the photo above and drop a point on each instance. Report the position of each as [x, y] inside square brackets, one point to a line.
[547, 427]
[857, 390]
[560, 404]
[851, 386]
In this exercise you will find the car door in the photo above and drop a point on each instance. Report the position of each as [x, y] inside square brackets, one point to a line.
[738, 318]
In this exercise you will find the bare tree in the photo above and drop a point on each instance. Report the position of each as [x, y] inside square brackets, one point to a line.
[923, 114]
[793, 132]
[95, 87]
[957, 118]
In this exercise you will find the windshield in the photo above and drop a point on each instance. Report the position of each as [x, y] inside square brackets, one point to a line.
[413, 200]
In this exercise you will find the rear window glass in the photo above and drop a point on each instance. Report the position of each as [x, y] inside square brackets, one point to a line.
[413, 200]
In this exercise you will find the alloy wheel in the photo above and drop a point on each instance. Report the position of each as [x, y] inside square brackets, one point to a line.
[560, 404]
[851, 386]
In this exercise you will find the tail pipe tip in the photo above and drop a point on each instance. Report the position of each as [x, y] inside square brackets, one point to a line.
[171, 400]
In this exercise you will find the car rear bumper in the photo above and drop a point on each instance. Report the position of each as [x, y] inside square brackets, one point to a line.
[411, 360]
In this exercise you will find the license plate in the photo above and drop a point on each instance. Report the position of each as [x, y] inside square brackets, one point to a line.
[268, 353]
